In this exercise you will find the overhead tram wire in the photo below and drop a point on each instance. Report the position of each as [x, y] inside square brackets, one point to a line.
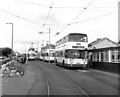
[32, 3]
[47, 16]
[85, 8]
[38, 4]
[100, 16]
[65, 7]
[17, 16]
[27, 20]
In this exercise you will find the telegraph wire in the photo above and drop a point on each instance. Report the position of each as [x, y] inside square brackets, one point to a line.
[59, 6]
[81, 7]
[32, 3]
[17, 16]
[100, 16]
[95, 17]
[85, 8]
[28, 20]
[50, 8]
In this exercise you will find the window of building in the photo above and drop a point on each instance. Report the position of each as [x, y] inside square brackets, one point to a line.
[118, 56]
[113, 56]
[97, 56]
[102, 56]
[93, 56]
[106, 54]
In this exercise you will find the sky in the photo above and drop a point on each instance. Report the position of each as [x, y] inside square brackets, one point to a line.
[96, 18]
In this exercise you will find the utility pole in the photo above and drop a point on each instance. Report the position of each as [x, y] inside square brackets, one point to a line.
[49, 45]
[11, 41]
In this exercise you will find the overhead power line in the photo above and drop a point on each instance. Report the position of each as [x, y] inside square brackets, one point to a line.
[85, 8]
[50, 8]
[38, 4]
[100, 16]
[78, 7]
[28, 20]
[32, 3]
[17, 16]
[78, 15]
[92, 18]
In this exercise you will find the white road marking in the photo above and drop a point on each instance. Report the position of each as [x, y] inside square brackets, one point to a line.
[99, 76]
[83, 70]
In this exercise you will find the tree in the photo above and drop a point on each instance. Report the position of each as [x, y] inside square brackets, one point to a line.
[0, 51]
[119, 42]
[6, 51]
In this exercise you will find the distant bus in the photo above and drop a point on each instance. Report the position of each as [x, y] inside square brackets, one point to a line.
[48, 53]
[71, 51]
[31, 54]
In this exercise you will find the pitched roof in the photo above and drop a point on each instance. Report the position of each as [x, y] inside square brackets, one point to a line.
[99, 40]
[31, 49]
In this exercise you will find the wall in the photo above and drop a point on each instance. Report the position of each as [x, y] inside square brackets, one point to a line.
[106, 66]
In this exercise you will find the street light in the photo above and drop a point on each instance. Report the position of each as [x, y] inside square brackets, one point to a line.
[11, 41]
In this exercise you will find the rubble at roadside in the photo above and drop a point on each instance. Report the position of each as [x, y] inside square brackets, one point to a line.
[12, 69]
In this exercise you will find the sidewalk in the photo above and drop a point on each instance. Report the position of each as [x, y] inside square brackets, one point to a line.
[105, 72]
[18, 85]
[0, 85]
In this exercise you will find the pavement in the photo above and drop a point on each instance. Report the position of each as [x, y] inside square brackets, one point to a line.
[105, 72]
[19, 85]
[0, 85]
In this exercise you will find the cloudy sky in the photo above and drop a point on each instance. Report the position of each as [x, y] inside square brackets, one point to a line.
[96, 18]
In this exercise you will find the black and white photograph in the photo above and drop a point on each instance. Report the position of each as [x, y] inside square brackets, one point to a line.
[60, 48]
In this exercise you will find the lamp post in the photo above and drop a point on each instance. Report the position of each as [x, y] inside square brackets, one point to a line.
[49, 45]
[11, 41]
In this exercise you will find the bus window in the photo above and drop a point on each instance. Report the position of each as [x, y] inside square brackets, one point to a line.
[78, 37]
[75, 54]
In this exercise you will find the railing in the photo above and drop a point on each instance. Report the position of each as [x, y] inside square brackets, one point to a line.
[4, 61]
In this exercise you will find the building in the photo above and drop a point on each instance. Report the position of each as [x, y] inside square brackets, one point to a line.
[105, 55]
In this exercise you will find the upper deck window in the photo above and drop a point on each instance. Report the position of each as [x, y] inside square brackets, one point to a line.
[78, 38]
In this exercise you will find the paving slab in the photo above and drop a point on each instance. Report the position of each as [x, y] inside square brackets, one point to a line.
[19, 85]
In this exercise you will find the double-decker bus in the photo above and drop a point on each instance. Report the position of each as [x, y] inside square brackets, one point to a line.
[31, 54]
[71, 51]
[48, 53]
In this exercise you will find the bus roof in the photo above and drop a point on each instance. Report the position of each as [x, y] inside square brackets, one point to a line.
[72, 34]
[76, 33]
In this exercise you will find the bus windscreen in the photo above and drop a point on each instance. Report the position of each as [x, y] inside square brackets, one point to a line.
[78, 54]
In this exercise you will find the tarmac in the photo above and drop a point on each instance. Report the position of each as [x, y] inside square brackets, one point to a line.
[21, 85]
[18, 85]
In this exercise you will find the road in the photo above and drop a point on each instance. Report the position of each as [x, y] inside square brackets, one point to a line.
[55, 80]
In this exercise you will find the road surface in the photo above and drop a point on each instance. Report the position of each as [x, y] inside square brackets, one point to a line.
[48, 79]
[55, 80]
